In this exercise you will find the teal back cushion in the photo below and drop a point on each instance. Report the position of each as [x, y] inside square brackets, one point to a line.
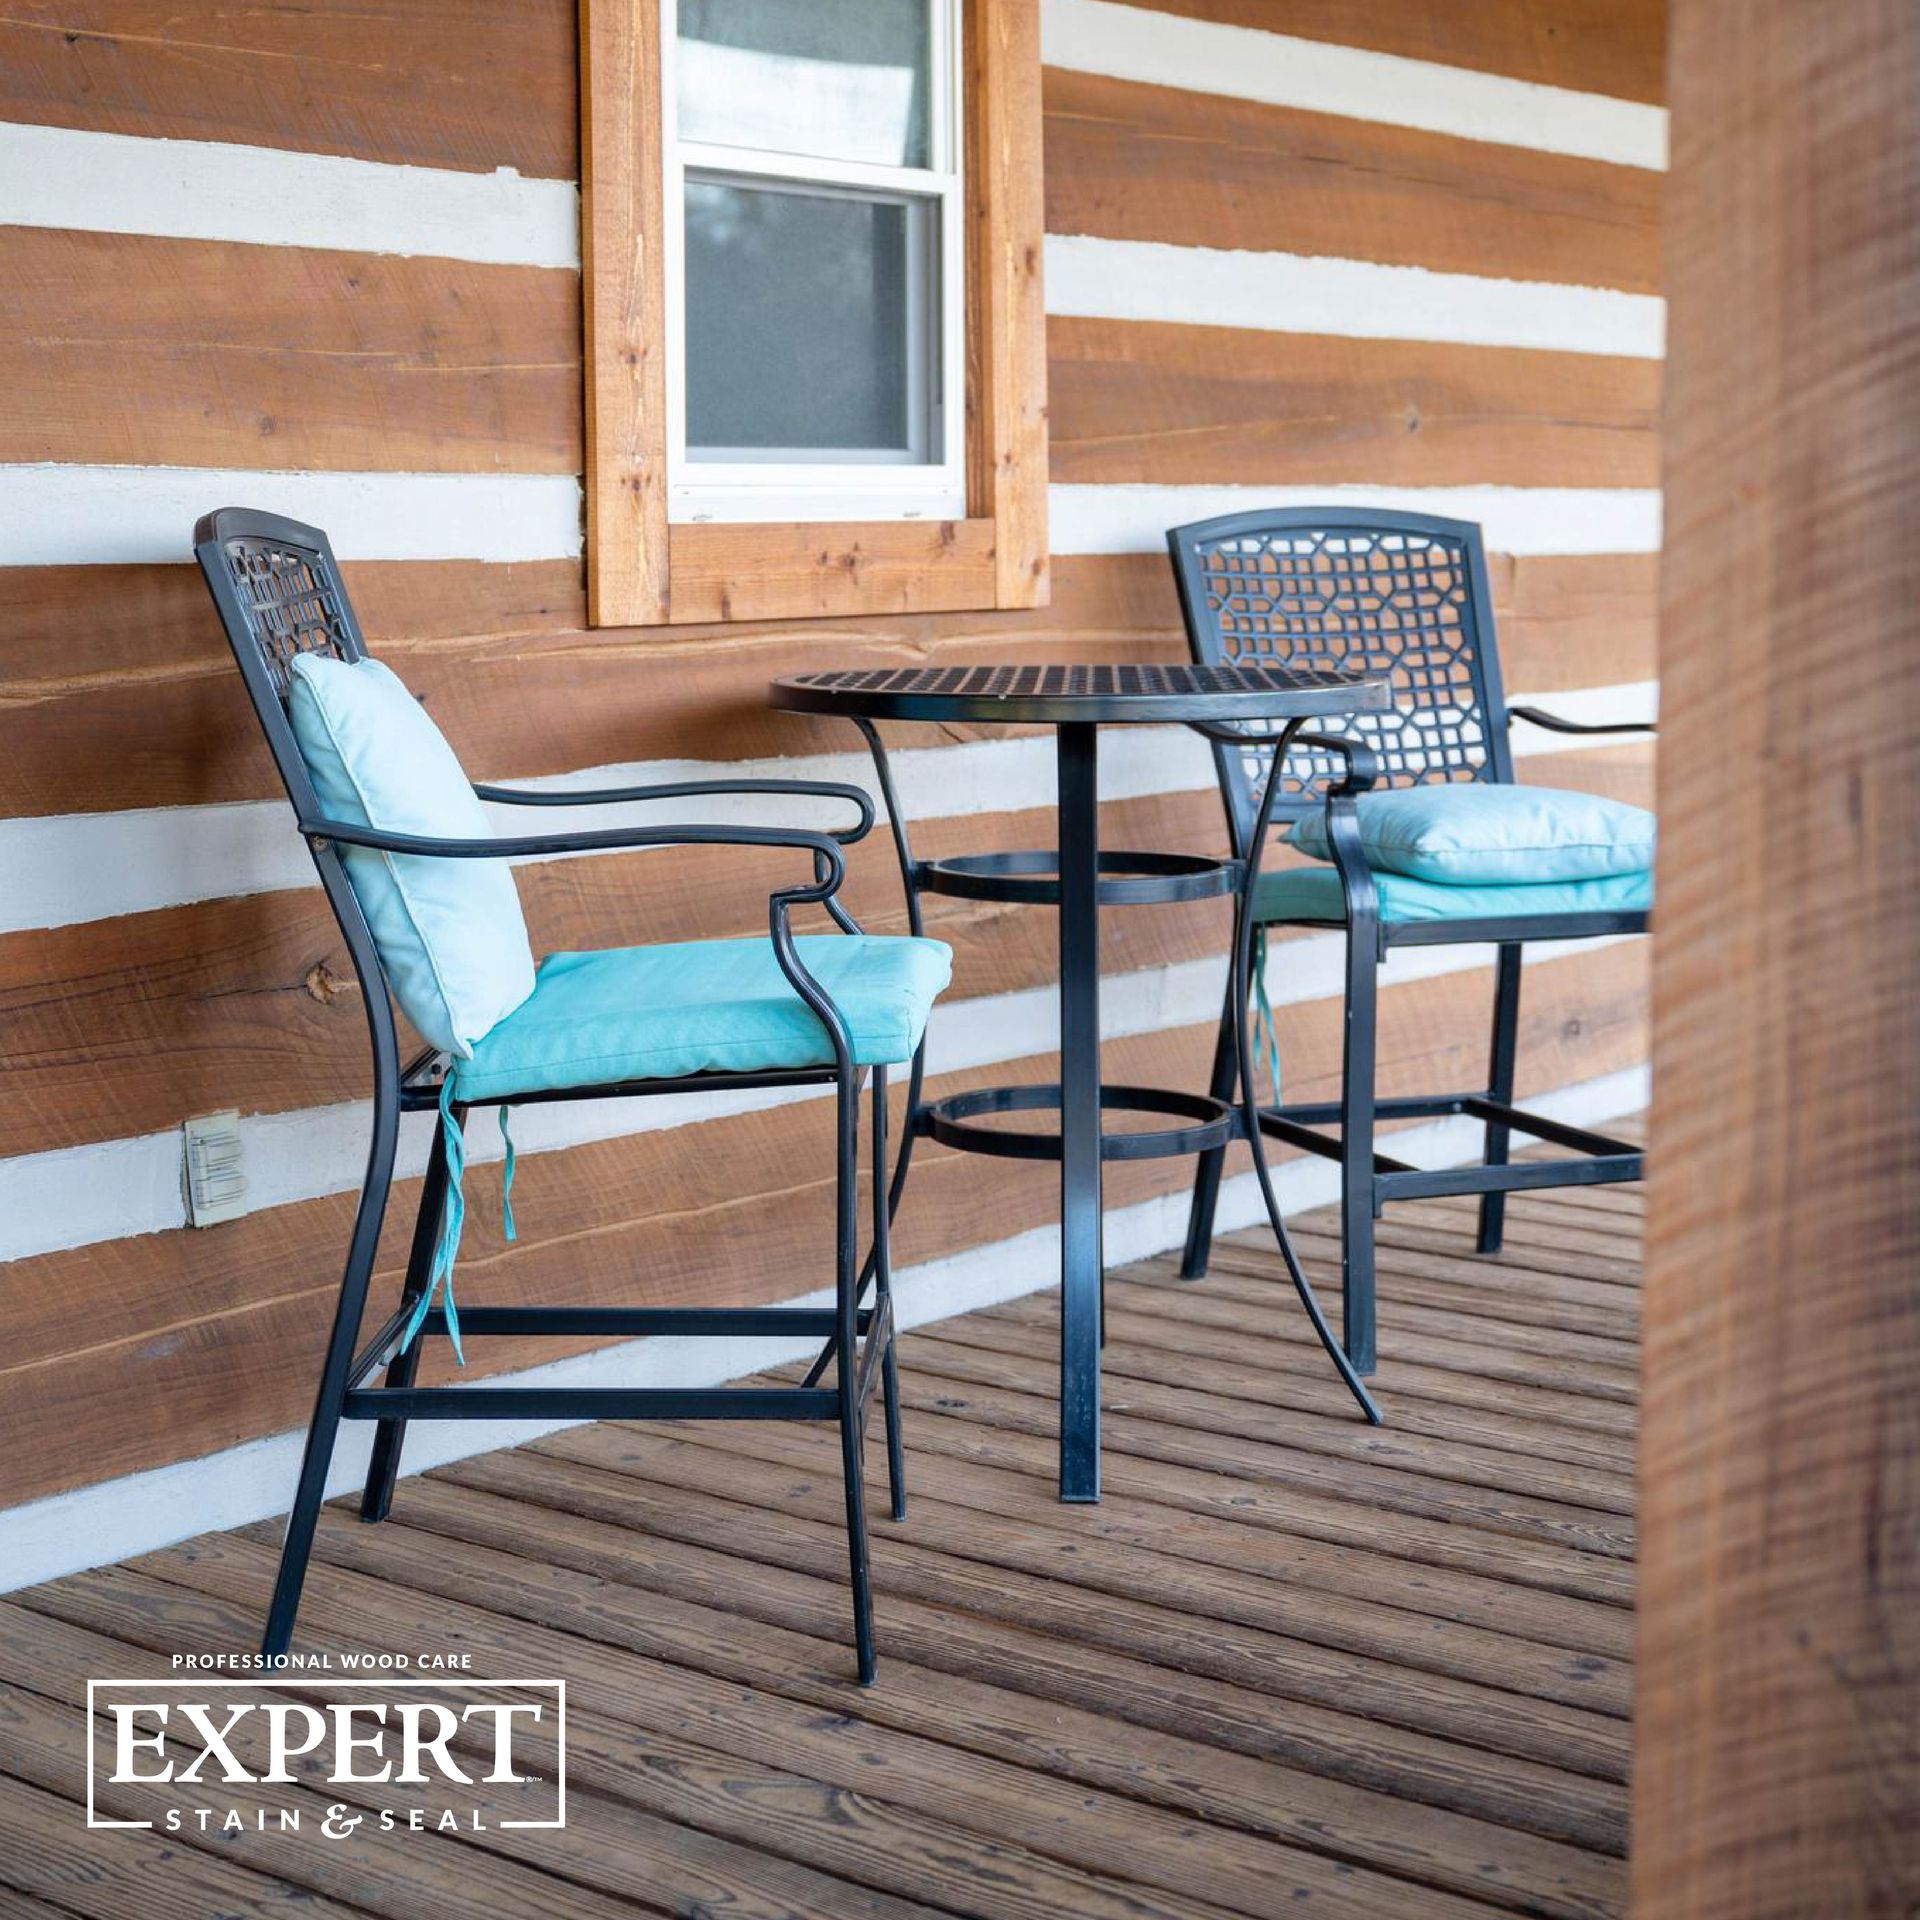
[1482, 834]
[451, 934]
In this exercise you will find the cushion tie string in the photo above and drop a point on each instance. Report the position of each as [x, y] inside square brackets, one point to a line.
[1265, 1034]
[452, 1219]
[506, 1185]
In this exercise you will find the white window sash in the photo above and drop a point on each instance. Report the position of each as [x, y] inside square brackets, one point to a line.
[855, 486]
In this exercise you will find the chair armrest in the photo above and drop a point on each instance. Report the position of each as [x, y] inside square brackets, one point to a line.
[829, 869]
[857, 797]
[1540, 717]
[1363, 765]
[823, 846]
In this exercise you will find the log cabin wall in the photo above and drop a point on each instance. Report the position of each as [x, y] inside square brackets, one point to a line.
[323, 259]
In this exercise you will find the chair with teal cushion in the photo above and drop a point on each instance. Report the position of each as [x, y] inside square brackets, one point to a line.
[420, 885]
[1419, 834]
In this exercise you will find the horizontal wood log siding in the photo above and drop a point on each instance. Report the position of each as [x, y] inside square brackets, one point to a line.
[216, 1328]
[1132, 162]
[116, 693]
[121, 1027]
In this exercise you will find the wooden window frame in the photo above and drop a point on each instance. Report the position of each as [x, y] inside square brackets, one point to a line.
[643, 570]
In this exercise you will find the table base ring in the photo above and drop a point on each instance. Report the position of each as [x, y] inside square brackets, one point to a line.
[1126, 879]
[1210, 1123]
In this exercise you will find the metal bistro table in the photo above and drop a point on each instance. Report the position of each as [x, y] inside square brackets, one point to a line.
[1225, 704]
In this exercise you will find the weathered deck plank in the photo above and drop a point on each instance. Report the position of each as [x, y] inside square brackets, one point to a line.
[1290, 1662]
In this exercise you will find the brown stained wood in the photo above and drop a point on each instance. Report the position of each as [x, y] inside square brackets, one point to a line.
[827, 571]
[643, 572]
[1201, 1398]
[1441, 1292]
[1546, 1422]
[1466, 1346]
[1780, 1641]
[1531, 1796]
[681, 1652]
[1210, 1569]
[1007, 343]
[799, 1532]
[1575, 620]
[1241, 1365]
[470, 84]
[43, 1706]
[123, 1026]
[1537, 1543]
[626, 1851]
[1139, 402]
[991, 1832]
[1134, 1584]
[117, 689]
[1132, 162]
[212, 1334]
[623, 292]
[960, 1617]
[123, 350]
[1591, 46]
[1209, 1696]
[1158, 1507]
[145, 1873]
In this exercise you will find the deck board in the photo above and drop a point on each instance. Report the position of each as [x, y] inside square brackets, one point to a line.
[1289, 1664]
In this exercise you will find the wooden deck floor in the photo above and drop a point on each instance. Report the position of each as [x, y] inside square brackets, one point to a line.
[1290, 1665]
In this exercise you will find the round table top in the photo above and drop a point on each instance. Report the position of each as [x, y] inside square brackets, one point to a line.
[1087, 695]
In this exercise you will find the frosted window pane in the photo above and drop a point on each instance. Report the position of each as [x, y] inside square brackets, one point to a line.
[843, 79]
[800, 308]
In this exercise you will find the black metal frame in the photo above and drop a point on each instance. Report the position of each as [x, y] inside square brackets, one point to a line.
[1439, 653]
[1079, 878]
[277, 588]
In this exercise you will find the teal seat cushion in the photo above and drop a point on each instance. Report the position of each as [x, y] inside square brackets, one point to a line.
[1313, 894]
[704, 1006]
[452, 939]
[1490, 834]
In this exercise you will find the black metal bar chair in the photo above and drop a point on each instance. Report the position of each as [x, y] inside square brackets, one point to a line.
[1408, 595]
[279, 595]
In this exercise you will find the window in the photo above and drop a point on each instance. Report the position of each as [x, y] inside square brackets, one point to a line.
[815, 340]
[815, 270]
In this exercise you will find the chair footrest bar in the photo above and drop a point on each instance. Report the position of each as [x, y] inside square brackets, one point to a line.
[591, 1403]
[1325, 1144]
[601, 1323]
[1596, 1170]
[1410, 1106]
[1557, 1132]
[704, 1322]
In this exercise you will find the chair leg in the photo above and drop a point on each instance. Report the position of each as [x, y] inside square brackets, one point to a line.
[847, 1284]
[1238, 993]
[311, 1490]
[1206, 1179]
[883, 1292]
[389, 1436]
[1357, 1193]
[1500, 1073]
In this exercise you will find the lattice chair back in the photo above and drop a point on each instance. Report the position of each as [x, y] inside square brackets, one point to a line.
[1403, 594]
[277, 588]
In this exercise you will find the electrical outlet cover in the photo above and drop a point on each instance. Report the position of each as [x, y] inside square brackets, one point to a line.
[215, 1178]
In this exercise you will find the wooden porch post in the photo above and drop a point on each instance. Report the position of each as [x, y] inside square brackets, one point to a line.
[1777, 1769]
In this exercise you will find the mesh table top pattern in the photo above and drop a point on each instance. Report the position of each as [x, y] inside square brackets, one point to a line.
[1086, 695]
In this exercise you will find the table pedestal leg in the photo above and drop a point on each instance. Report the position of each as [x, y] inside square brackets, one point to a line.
[1080, 1222]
